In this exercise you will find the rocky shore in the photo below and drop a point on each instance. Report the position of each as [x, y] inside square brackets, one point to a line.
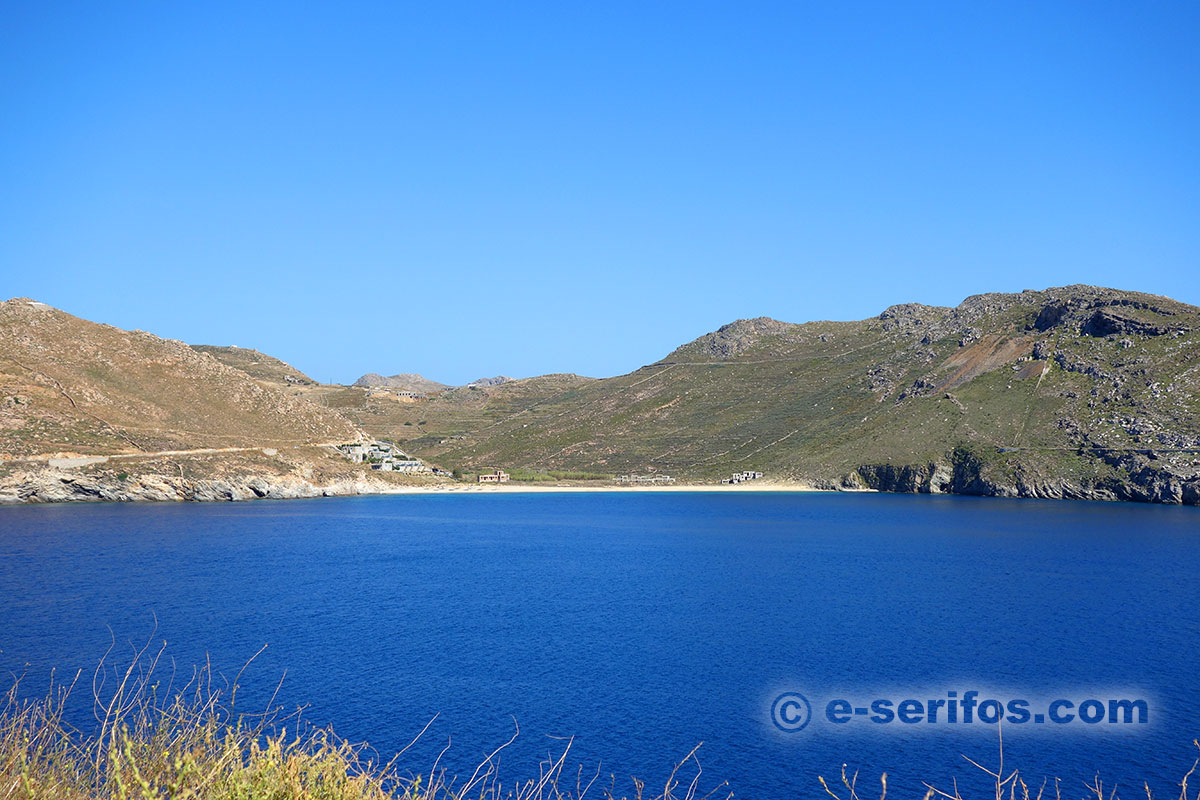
[51, 485]
[1133, 477]
[954, 476]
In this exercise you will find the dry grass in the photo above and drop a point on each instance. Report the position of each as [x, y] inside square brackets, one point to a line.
[154, 742]
[1006, 785]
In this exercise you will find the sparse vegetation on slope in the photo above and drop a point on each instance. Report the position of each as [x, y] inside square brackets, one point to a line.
[71, 385]
[1077, 392]
[259, 366]
[452, 414]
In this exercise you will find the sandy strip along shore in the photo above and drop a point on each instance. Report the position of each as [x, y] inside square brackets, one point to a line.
[521, 488]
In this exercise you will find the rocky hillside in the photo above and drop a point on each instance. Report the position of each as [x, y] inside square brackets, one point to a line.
[89, 411]
[260, 366]
[449, 414]
[1069, 392]
[78, 386]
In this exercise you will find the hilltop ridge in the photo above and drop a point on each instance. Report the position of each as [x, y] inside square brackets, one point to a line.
[405, 380]
[1074, 391]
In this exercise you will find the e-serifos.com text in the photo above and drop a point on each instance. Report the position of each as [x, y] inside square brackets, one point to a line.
[791, 711]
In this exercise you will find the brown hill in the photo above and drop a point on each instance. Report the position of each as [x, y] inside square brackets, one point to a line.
[259, 366]
[69, 385]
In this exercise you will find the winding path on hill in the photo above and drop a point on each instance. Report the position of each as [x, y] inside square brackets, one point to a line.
[56, 460]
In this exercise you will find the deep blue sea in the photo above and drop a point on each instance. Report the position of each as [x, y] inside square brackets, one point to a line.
[644, 624]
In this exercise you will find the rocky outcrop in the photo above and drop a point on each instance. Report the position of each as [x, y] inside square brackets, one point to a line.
[1137, 478]
[66, 486]
[909, 478]
[1100, 312]
[1051, 315]
[733, 339]
[911, 317]
[1107, 323]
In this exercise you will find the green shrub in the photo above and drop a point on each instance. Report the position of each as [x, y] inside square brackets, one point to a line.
[579, 476]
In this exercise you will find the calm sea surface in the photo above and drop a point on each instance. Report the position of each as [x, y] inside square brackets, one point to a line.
[643, 624]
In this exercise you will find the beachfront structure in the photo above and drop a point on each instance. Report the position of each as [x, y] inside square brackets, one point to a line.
[499, 476]
[647, 479]
[396, 465]
[382, 456]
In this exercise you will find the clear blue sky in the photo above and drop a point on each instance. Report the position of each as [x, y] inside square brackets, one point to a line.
[466, 189]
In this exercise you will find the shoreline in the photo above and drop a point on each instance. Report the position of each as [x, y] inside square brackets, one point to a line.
[509, 488]
[50, 485]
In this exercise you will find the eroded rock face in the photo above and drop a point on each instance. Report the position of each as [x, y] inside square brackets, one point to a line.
[1100, 312]
[1051, 316]
[1108, 323]
[930, 478]
[1139, 479]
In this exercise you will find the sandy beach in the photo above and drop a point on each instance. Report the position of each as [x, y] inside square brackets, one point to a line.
[522, 488]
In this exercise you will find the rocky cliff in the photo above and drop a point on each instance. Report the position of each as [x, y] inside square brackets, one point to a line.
[197, 476]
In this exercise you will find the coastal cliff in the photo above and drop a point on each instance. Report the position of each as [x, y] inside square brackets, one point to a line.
[60, 486]
[1136, 478]
[305, 472]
